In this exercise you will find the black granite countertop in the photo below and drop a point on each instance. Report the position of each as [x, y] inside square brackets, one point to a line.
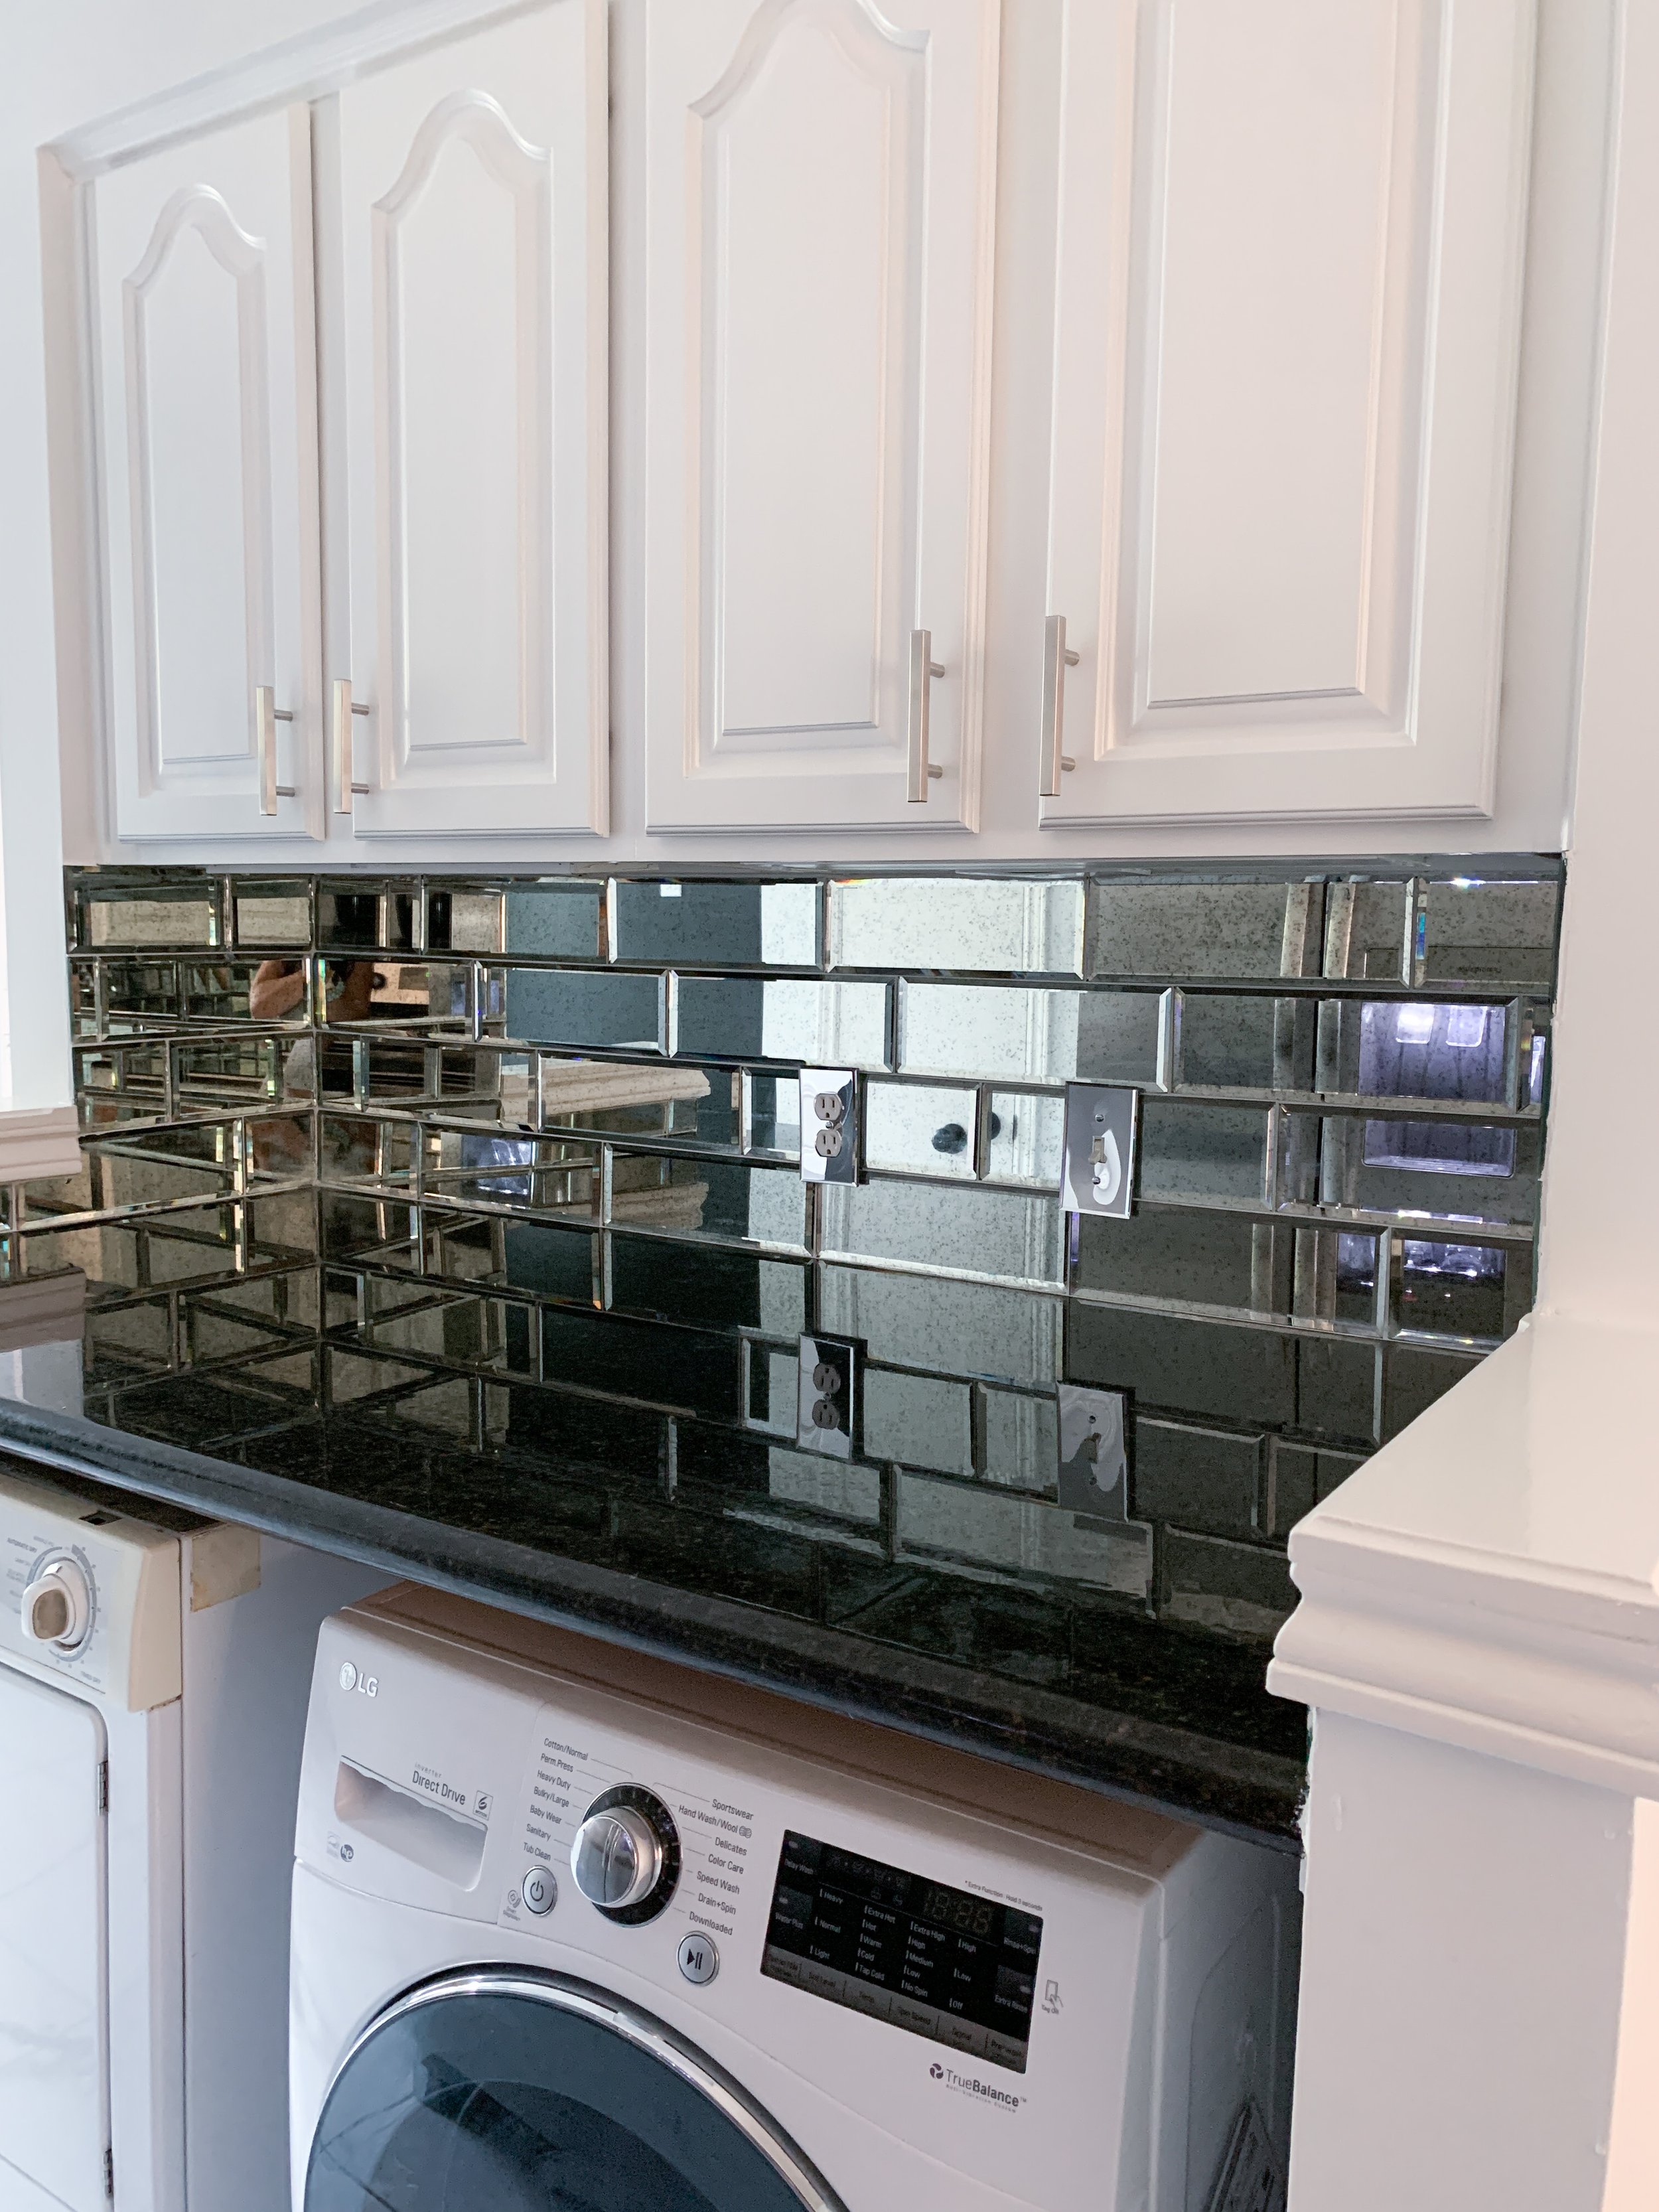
[249, 1400]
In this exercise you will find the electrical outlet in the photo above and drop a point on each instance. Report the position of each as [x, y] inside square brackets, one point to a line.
[1103, 1122]
[1094, 1451]
[826, 1415]
[831, 1138]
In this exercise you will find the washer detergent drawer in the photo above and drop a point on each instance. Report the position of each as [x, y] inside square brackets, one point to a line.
[54, 2102]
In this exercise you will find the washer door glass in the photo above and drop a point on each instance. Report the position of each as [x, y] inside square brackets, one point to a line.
[509, 2091]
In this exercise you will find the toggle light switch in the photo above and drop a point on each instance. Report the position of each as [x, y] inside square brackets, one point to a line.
[1102, 1120]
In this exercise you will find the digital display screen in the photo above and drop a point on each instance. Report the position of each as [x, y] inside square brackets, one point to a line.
[938, 1961]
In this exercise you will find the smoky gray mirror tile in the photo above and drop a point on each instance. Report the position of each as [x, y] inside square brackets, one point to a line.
[1299, 1477]
[367, 914]
[962, 924]
[785, 1018]
[634, 1098]
[1208, 1368]
[1207, 1480]
[1026, 1138]
[1369, 931]
[1034, 1036]
[577, 1007]
[273, 911]
[919, 1419]
[984, 1527]
[1240, 1589]
[958, 1327]
[726, 1199]
[555, 920]
[1185, 1259]
[1338, 1392]
[839, 1488]
[706, 1287]
[119, 912]
[1445, 1287]
[1413, 1377]
[772, 1388]
[1020, 1446]
[1004, 1235]
[1472, 1171]
[1250, 1044]
[771, 1114]
[685, 923]
[1194, 932]
[1482, 934]
[1189, 1151]
[923, 1129]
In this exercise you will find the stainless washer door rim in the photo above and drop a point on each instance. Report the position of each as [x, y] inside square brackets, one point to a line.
[588, 2000]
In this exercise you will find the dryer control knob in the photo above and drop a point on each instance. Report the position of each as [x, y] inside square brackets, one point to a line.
[57, 1606]
[625, 1859]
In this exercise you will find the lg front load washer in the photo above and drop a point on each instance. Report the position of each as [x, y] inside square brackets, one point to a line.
[153, 1676]
[575, 1927]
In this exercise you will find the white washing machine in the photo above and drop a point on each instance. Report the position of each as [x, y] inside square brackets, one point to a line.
[152, 1708]
[576, 1927]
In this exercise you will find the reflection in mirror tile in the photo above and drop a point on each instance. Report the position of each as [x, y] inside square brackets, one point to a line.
[1414, 1048]
[1194, 1152]
[636, 1098]
[466, 918]
[771, 1112]
[272, 911]
[1021, 1446]
[1023, 1536]
[1026, 1138]
[1031, 1035]
[914, 1129]
[739, 1018]
[963, 923]
[1003, 1235]
[124, 911]
[1479, 933]
[1245, 1044]
[1369, 931]
[1198, 931]
[719, 1199]
[922, 1419]
[582, 1007]
[958, 1327]
[1186, 1258]
[705, 1286]
[688, 924]
[555, 920]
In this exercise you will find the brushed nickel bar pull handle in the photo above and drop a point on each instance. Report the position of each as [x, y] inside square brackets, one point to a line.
[923, 669]
[1057, 658]
[266, 715]
[344, 708]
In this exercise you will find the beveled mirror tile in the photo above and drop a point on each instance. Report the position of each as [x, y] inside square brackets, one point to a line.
[1206, 1480]
[690, 923]
[1481, 933]
[916, 1129]
[1218, 1370]
[1245, 1043]
[995, 1031]
[919, 1419]
[465, 918]
[1413, 1049]
[121, 912]
[1239, 1589]
[556, 919]
[1026, 1139]
[965, 923]
[1020, 1448]
[541, 1175]
[1413, 1376]
[639, 1098]
[1336, 1276]
[837, 1488]
[1299, 1477]
[1369, 931]
[771, 1110]
[680, 1369]
[982, 1527]
[239, 1067]
[725, 1199]
[958, 1327]
[366, 913]
[578, 1007]
[1185, 1259]
[1538, 1023]
[1199, 1152]
[272, 910]
[706, 1286]
[1002, 1235]
[1455, 1170]
[1448, 1288]
[749, 1018]
[1195, 932]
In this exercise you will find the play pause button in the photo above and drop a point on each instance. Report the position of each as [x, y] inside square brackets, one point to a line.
[699, 1961]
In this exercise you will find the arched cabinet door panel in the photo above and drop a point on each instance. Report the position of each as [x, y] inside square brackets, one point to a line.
[207, 466]
[465, 337]
[1287, 335]
[820, 194]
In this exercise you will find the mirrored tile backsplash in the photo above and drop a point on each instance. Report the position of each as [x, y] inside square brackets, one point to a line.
[519, 1157]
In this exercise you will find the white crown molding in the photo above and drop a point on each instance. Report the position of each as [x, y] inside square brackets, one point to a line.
[1488, 1579]
[38, 1142]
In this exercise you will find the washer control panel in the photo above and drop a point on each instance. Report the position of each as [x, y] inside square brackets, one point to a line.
[626, 1856]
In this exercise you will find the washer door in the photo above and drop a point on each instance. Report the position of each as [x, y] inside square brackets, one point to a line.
[508, 2091]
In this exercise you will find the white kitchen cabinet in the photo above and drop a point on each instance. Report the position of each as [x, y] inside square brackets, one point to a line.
[820, 199]
[470, 355]
[1287, 332]
[205, 362]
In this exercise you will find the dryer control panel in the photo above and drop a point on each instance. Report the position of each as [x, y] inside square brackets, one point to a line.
[87, 1595]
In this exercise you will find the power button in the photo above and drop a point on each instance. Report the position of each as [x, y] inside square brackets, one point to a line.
[699, 1961]
[539, 1890]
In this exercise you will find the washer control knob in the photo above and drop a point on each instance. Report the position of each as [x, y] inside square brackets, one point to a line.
[539, 1890]
[699, 1961]
[57, 1608]
[626, 1857]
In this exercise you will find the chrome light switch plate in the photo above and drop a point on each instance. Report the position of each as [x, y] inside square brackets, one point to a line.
[831, 1131]
[826, 1418]
[1094, 1452]
[1103, 1122]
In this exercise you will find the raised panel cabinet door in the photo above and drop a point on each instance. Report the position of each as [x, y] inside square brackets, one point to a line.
[1287, 332]
[472, 205]
[820, 184]
[207, 459]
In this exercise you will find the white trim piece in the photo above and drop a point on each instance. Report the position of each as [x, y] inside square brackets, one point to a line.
[38, 1141]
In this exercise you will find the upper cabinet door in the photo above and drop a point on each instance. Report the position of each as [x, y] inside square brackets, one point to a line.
[1287, 330]
[820, 204]
[202, 278]
[472, 184]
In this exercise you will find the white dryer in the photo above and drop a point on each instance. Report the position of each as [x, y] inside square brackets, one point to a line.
[575, 1927]
[152, 1704]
